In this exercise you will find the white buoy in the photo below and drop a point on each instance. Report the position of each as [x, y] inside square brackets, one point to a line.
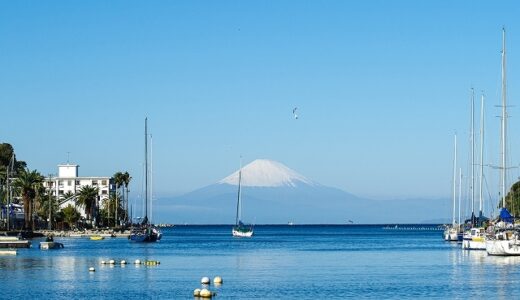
[123, 262]
[111, 261]
[217, 280]
[196, 292]
[205, 293]
[91, 269]
[137, 262]
[103, 262]
[205, 280]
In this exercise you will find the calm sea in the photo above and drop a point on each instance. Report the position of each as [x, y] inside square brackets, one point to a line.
[279, 262]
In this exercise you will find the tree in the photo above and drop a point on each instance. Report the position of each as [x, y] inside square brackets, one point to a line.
[119, 181]
[110, 206]
[126, 181]
[27, 184]
[70, 215]
[513, 200]
[87, 197]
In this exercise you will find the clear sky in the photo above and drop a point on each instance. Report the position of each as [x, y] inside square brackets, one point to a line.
[380, 86]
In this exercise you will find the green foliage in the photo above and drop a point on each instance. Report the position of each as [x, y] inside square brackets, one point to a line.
[87, 198]
[513, 200]
[70, 215]
[27, 185]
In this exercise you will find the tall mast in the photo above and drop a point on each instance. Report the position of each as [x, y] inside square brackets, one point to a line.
[504, 120]
[151, 178]
[146, 169]
[472, 138]
[481, 154]
[454, 181]
[239, 192]
[460, 192]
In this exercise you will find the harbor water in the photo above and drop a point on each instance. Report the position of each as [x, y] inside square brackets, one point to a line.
[279, 262]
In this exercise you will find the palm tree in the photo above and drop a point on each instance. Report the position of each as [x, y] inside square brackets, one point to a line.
[27, 184]
[87, 197]
[118, 180]
[70, 215]
[126, 181]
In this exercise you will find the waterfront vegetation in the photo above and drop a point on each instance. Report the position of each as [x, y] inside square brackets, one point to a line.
[44, 210]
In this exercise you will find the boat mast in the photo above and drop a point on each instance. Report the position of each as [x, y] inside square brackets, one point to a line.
[460, 192]
[481, 156]
[146, 169]
[454, 181]
[472, 138]
[151, 178]
[239, 193]
[504, 120]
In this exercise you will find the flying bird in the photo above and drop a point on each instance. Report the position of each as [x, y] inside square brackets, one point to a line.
[294, 113]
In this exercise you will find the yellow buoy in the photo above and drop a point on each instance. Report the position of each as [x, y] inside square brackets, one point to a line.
[205, 293]
[217, 280]
[196, 292]
[204, 280]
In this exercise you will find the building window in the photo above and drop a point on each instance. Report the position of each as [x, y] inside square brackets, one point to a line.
[94, 182]
[77, 182]
[69, 182]
[104, 192]
[61, 192]
[104, 182]
[60, 183]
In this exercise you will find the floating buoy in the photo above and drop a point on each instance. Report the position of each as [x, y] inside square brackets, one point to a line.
[217, 280]
[196, 292]
[123, 262]
[111, 261]
[137, 262]
[205, 280]
[103, 262]
[205, 293]
[91, 269]
[151, 262]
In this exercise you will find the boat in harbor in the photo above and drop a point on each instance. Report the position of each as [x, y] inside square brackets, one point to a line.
[97, 237]
[451, 231]
[505, 241]
[145, 232]
[240, 229]
[49, 243]
[14, 242]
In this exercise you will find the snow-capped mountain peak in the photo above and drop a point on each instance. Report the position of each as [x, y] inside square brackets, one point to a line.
[267, 173]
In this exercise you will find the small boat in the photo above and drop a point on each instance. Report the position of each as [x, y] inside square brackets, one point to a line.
[50, 245]
[240, 230]
[97, 237]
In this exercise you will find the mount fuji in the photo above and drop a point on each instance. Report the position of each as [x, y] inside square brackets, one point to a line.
[272, 193]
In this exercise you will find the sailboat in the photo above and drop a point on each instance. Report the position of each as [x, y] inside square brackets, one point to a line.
[505, 241]
[474, 239]
[145, 232]
[451, 232]
[241, 230]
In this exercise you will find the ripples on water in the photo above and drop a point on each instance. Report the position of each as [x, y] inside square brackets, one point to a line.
[279, 262]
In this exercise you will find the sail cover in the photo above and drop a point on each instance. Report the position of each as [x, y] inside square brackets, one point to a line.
[506, 216]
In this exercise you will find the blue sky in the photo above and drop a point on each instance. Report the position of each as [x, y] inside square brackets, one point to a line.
[380, 86]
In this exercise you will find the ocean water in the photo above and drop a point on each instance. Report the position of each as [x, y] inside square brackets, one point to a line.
[279, 262]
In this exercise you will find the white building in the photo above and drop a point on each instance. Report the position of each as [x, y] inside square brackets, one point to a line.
[69, 181]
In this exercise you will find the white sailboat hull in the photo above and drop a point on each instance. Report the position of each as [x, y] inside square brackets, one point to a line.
[474, 244]
[450, 235]
[237, 233]
[503, 247]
